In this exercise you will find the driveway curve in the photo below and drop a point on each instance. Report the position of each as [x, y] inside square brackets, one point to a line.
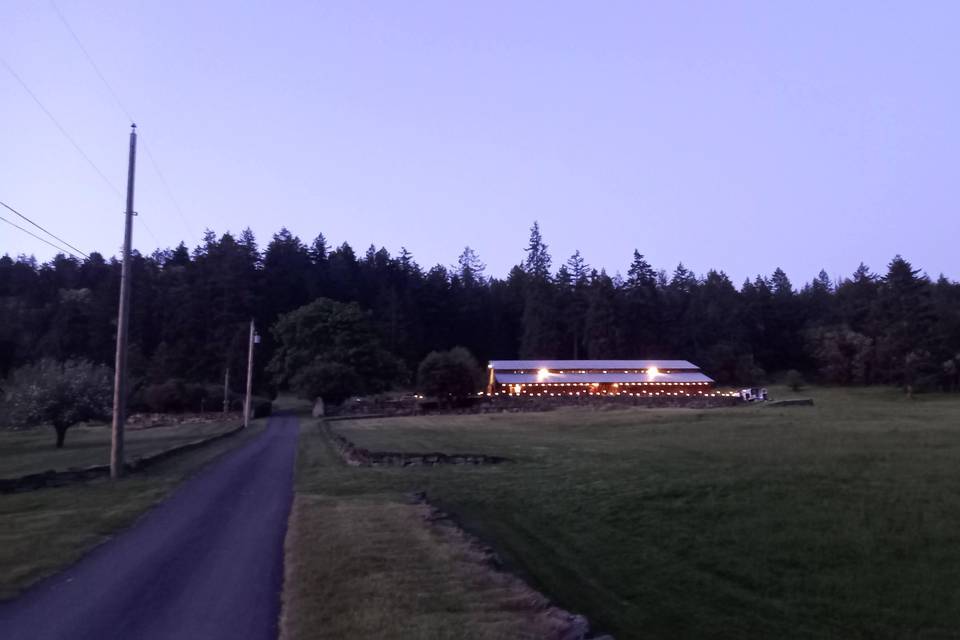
[207, 563]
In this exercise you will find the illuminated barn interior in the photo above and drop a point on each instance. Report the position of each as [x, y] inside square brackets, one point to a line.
[596, 377]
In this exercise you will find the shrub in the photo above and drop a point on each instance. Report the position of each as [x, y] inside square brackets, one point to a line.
[332, 381]
[260, 407]
[176, 396]
[449, 374]
[60, 394]
[748, 372]
[332, 350]
[794, 379]
[165, 397]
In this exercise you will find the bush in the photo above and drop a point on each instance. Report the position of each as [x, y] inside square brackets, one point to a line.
[794, 380]
[332, 350]
[165, 397]
[449, 374]
[177, 396]
[748, 372]
[332, 381]
[260, 407]
[60, 394]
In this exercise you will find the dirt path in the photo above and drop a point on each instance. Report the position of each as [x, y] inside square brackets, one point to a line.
[207, 563]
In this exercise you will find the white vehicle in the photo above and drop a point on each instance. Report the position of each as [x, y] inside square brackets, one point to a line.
[754, 394]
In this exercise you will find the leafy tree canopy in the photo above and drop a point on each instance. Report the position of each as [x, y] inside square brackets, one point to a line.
[449, 374]
[330, 349]
[60, 394]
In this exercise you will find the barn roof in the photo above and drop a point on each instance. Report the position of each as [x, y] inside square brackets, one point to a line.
[609, 365]
[605, 378]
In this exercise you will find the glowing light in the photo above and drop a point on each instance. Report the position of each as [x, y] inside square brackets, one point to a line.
[653, 372]
[543, 374]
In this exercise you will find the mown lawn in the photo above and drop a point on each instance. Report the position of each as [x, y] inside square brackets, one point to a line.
[838, 520]
[33, 451]
[44, 531]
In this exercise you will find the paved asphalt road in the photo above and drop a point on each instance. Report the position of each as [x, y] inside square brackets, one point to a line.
[205, 564]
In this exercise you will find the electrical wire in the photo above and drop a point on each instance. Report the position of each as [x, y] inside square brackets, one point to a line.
[168, 190]
[44, 240]
[144, 224]
[61, 128]
[49, 233]
[119, 103]
[89, 58]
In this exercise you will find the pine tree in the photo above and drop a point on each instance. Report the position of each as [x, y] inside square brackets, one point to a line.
[602, 326]
[905, 307]
[319, 249]
[781, 283]
[470, 268]
[641, 274]
[540, 320]
[537, 262]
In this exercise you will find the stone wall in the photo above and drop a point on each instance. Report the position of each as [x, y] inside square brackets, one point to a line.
[360, 457]
[510, 404]
[53, 478]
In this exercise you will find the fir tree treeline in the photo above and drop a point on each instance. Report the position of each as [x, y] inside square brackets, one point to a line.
[190, 312]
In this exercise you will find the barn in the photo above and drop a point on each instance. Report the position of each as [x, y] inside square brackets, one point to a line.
[596, 377]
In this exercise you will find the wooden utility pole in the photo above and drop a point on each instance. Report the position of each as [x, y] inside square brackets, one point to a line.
[246, 402]
[123, 320]
[226, 391]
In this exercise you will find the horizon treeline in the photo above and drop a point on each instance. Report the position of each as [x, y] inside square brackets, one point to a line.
[191, 309]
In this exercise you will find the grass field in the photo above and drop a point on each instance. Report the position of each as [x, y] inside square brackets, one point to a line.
[838, 520]
[44, 531]
[32, 450]
[371, 567]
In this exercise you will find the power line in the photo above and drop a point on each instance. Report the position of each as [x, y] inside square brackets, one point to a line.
[119, 103]
[52, 235]
[147, 227]
[60, 127]
[89, 58]
[45, 241]
[167, 189]
[75, 145]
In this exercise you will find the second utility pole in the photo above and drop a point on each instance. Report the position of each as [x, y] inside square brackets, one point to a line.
[123, 320]
[226, 391]
[246, 402]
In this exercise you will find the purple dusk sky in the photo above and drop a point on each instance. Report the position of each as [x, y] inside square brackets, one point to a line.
[736, 135]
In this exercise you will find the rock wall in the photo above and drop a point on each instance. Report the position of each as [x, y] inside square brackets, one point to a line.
[54, 478]
[360, 457]
[515, 404]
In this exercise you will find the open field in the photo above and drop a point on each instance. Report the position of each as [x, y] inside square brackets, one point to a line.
[841, 519]
[46, 530]
[32, 450]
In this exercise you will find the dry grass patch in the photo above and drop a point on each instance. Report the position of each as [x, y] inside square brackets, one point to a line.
[373, 567]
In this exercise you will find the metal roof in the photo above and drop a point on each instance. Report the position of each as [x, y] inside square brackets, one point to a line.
[609, 365]
[606, 378]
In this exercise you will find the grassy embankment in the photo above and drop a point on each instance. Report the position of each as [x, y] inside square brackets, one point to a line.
[841, 519]
[43, 531]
